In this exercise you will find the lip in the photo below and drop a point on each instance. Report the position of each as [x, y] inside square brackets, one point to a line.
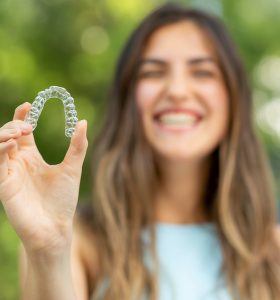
[177, 130]
[189, 111]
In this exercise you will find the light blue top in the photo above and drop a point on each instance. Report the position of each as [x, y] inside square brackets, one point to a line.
[190, 259]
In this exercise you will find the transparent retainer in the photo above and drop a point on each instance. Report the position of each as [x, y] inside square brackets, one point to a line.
[68, 103]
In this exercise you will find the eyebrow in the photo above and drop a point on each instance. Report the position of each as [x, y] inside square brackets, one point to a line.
[192, 61]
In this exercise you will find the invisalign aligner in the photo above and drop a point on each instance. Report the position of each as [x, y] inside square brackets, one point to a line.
[68, 103]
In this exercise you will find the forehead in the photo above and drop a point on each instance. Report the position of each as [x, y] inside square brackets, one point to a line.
[183, 38]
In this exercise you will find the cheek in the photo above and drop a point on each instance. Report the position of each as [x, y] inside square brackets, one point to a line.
[146, 94]
[217, 98]
[217, 102]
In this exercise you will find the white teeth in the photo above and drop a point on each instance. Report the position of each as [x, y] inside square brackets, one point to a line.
[177, 119]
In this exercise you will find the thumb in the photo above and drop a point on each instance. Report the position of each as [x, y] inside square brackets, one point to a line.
[76, 153]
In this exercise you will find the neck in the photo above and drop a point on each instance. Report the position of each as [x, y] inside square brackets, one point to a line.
[180, 198]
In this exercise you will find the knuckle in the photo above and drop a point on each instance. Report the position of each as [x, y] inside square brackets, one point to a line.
[4, 127]
[12, 124]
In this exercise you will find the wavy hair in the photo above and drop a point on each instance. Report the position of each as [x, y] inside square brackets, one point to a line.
[239, 195]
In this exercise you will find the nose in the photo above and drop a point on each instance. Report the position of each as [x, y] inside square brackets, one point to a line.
[178, 87]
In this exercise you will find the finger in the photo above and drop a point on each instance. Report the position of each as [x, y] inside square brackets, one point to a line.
[8, 133]
[20, 114]
[75, 155]
[14, 129]
[21, 111]
[5, 148]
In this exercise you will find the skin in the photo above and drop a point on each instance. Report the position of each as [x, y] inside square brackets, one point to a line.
[182, 73]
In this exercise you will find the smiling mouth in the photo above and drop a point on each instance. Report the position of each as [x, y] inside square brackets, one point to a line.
[177, 122]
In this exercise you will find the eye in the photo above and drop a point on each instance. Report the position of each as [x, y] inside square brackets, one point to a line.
[203, 73]
[151, 74]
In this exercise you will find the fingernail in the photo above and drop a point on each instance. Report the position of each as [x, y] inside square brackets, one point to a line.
[21, 105]
[83, 122]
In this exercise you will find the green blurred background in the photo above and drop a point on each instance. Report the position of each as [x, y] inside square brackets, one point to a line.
[75, 44]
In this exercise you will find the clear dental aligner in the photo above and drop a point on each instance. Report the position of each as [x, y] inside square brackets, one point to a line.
[68, 103]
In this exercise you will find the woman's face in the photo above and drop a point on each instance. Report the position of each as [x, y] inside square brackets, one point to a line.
[181, 94]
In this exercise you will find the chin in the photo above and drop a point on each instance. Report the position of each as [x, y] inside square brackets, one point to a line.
[183, 156]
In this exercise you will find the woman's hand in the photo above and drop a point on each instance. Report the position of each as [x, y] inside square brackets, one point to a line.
[39, 199]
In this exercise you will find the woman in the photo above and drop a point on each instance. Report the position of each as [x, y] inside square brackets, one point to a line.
[182, 206]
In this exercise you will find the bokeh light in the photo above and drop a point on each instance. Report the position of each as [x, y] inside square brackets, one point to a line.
[95, 40]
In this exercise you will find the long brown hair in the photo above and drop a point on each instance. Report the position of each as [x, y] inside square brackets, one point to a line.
[239, 197]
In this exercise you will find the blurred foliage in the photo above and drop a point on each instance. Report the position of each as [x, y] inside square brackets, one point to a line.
[75, 44]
